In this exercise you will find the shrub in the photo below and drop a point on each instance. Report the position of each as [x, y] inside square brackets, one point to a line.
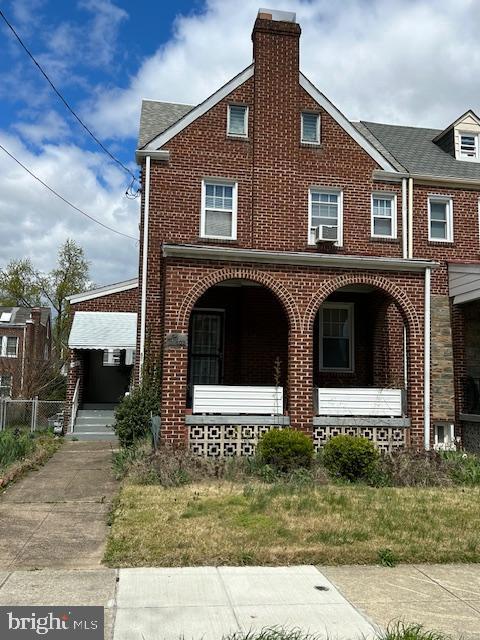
[463, 468]
[285, 449]
[132, 416]
[350, 458]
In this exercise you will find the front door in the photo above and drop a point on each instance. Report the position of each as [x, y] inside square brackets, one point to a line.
[206, 347]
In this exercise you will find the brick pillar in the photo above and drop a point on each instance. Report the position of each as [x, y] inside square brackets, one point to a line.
[443, 403]
[300, 380]
[174, 391]
[74, 373]
[415, 389]
[459, 368]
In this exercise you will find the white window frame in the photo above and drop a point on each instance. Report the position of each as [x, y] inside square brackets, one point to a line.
[3, 346]
[448, 200]
[4, 386]
[384, 196]
[113, 357]
[470, 134]
[350, 307]
[448, 443]
[245, 121]
[225, 183]
[311, 113]
[329, 190]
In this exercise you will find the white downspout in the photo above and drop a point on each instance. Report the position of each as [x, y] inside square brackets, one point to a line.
[404, 219]
[426, 365]
[143, 309]
[410, 218]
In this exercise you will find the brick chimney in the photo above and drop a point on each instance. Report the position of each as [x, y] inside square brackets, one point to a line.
[276, 130]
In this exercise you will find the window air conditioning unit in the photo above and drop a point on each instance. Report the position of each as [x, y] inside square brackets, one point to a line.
[325, 233]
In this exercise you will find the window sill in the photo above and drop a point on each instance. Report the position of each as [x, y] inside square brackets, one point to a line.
[233, 241]
[383, 240]
[441, 243]
[231, 136]
[310, 145]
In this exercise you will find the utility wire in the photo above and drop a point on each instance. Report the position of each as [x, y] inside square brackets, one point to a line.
[79, 120]
[105, 226]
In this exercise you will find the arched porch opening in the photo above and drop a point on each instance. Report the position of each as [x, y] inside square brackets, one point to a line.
[238, 346]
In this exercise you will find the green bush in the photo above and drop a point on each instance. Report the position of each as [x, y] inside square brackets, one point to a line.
[132, 416]
[350, 458]
[463, 468]
[285, 449]
[14, 446]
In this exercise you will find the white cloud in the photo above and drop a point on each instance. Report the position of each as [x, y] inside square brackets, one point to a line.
[386, 60]
[34, 222]
[49, 126]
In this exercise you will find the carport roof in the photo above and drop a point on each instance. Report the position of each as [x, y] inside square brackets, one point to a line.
[103, 330]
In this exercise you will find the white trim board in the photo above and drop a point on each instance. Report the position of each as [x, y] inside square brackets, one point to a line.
[118, 287]
[346, 125]
[199, 110]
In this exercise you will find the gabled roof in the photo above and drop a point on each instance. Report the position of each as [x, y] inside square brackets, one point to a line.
[20, 315]
[414, 149]
[103, 330]
[162, 138]
[99, 292]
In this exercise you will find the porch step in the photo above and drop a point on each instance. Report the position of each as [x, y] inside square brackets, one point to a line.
[105, 421]
[89, 428]
[88, 413]
[98, 406]
[94, 422]
[107, 437]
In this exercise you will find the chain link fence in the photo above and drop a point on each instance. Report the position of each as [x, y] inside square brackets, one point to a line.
[31, 415]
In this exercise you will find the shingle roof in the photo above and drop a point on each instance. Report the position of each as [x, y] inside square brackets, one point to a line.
[155, 117]
[103, 330]
[413, 148]
[20, 315]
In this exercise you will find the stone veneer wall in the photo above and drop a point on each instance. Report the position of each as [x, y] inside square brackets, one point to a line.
[443, 404]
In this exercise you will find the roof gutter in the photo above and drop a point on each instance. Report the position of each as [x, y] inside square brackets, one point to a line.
[161, 154]
[202, 252]
[389, 176]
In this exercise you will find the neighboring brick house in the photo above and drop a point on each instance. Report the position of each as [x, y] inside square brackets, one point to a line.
[297, 268]
[25, 342]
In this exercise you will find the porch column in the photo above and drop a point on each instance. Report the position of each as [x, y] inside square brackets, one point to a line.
[300, 380]
[174, 389]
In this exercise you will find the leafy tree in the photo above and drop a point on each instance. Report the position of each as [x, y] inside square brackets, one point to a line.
[19, 284]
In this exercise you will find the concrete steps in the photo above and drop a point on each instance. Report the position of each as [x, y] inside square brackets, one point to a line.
[94, 422]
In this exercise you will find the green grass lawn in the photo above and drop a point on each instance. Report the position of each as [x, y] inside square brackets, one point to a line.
[215, 523]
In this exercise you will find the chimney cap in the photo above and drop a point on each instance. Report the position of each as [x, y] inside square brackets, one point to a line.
[277, 16]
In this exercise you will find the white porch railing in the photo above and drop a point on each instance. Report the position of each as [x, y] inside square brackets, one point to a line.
[223, 399]
[76, 395]
[359, 402]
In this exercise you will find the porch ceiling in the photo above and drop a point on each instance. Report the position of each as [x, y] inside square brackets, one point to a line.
[464, 281]
[103, 330]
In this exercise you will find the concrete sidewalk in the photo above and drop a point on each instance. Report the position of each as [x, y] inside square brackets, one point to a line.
[55, 516]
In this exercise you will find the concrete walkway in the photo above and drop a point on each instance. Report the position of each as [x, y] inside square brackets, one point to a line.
[55, 516]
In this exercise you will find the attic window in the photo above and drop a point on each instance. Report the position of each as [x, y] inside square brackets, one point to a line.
[469, 146]
[237, 120]
[310, 133]
[5, 316]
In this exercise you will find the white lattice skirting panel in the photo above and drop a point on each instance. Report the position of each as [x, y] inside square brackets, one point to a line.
[384, 438]
[225, 440]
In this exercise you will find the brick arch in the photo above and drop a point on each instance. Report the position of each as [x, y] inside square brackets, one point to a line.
[282, 294]
[404, 303]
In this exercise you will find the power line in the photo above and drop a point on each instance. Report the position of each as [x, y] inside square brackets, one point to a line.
[105, 226]
[79, 120]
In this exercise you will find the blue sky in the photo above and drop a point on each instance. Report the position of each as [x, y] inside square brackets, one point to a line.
[398, 61]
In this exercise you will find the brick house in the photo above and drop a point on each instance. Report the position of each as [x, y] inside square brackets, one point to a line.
[300, 269]
[25, 343]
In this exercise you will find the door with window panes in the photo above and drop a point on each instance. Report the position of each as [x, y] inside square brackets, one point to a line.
[206, 347]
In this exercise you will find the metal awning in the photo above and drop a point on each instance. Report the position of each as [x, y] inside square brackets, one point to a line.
[103, 330]
[464, 281]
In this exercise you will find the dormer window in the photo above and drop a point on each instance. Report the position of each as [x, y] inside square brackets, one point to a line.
[469, 146]
[237, 120]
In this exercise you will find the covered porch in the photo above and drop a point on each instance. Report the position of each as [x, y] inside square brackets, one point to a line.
[102, 356]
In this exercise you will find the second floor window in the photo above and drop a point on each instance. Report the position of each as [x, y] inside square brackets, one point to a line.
[237, 120]
[5, 386]
[310, 125]
[440, 219]
[384, 216]
[8, 346]
[325, 216]
[219, 210]
[469, 146]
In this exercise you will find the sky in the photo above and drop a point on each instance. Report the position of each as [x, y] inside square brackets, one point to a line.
[409, 62]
